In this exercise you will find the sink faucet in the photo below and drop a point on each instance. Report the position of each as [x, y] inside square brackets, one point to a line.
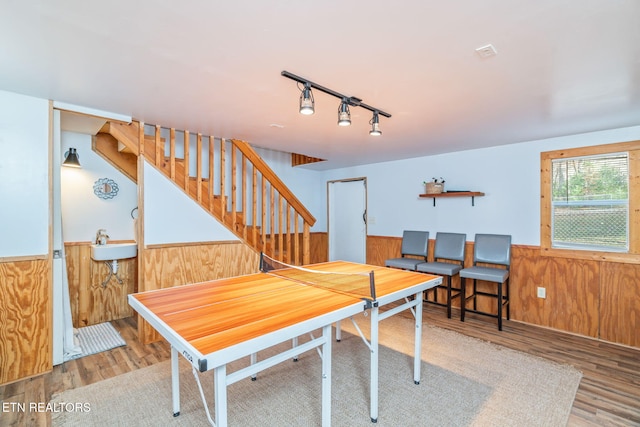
[101, 237]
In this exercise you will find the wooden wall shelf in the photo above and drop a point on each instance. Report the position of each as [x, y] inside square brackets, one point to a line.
[472, 194]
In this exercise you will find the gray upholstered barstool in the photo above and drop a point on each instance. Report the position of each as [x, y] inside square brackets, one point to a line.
[493, 252]
[448, 247]
[414, 243]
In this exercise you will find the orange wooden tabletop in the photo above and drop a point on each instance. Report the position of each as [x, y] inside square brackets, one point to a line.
[217, 314]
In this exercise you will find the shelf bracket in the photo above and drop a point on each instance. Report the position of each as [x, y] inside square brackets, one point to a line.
[473, 201]
[471, 194]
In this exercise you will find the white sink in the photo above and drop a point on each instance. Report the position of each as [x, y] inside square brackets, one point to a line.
[113, 251]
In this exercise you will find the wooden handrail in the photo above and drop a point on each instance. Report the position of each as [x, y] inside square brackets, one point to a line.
[275, 181]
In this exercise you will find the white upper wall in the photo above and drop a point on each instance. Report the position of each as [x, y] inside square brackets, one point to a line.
[83, 212]
[172, 217]
[508, 175]
[24, 175]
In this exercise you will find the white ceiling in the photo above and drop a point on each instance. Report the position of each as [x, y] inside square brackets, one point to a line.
[563, 67]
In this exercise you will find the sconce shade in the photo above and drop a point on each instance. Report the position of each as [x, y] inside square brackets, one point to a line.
[71, 159]
[306, 101]
[344, 116]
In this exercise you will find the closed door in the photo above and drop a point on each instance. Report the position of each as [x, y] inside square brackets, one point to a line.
[347, 216]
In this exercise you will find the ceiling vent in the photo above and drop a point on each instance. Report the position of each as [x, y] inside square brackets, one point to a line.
[487, 51]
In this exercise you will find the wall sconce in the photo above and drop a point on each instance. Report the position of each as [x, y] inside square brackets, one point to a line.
[71, 159]
[344, 115]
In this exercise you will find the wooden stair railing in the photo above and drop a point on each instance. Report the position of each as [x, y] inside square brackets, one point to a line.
[227, 178]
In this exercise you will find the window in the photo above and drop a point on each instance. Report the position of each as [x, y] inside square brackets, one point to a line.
[590, 202]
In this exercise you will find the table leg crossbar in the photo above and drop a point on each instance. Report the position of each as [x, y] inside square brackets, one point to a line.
[222, 380]
[204, 400]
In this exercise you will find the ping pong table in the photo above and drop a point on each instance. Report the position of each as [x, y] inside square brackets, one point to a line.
[217, 322]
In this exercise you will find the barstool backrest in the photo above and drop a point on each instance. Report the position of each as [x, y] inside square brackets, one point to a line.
[450, 246]
[492, 249]
[415, 243]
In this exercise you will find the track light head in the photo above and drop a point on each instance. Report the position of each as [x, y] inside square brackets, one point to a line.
[307, 102]
[375, 125]
[344, 116]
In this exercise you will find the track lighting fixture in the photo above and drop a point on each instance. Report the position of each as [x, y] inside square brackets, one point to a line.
[344, 115]
[307, 103]
[375, 126]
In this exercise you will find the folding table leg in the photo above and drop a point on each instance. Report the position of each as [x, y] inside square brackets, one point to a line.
[326, 376]
[220, 398]
[417, 351]
[374, 364]
[254, 359]
[175, 381]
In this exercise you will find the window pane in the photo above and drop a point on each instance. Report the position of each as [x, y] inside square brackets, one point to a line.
[590, 202]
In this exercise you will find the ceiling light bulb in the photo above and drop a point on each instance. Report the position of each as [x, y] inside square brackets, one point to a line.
[344, 116]
[375, 125]
[306, 101]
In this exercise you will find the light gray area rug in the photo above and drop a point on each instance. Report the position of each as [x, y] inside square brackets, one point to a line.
[96, 339]
[465, 382]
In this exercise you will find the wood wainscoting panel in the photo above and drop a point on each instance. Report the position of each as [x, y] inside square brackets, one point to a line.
[26, 313]
[318, 247]
[166, 267]
[528, 272]
[572, 291]
[620, 303]
[91, 303]
[574, 286]
[109, 302]
[381, 248]
[169, 266]
[78, 258]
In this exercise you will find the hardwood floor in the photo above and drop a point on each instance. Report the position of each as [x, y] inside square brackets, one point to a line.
[609, 393]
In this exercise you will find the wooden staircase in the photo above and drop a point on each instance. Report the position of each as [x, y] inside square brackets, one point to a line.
[226, 177]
